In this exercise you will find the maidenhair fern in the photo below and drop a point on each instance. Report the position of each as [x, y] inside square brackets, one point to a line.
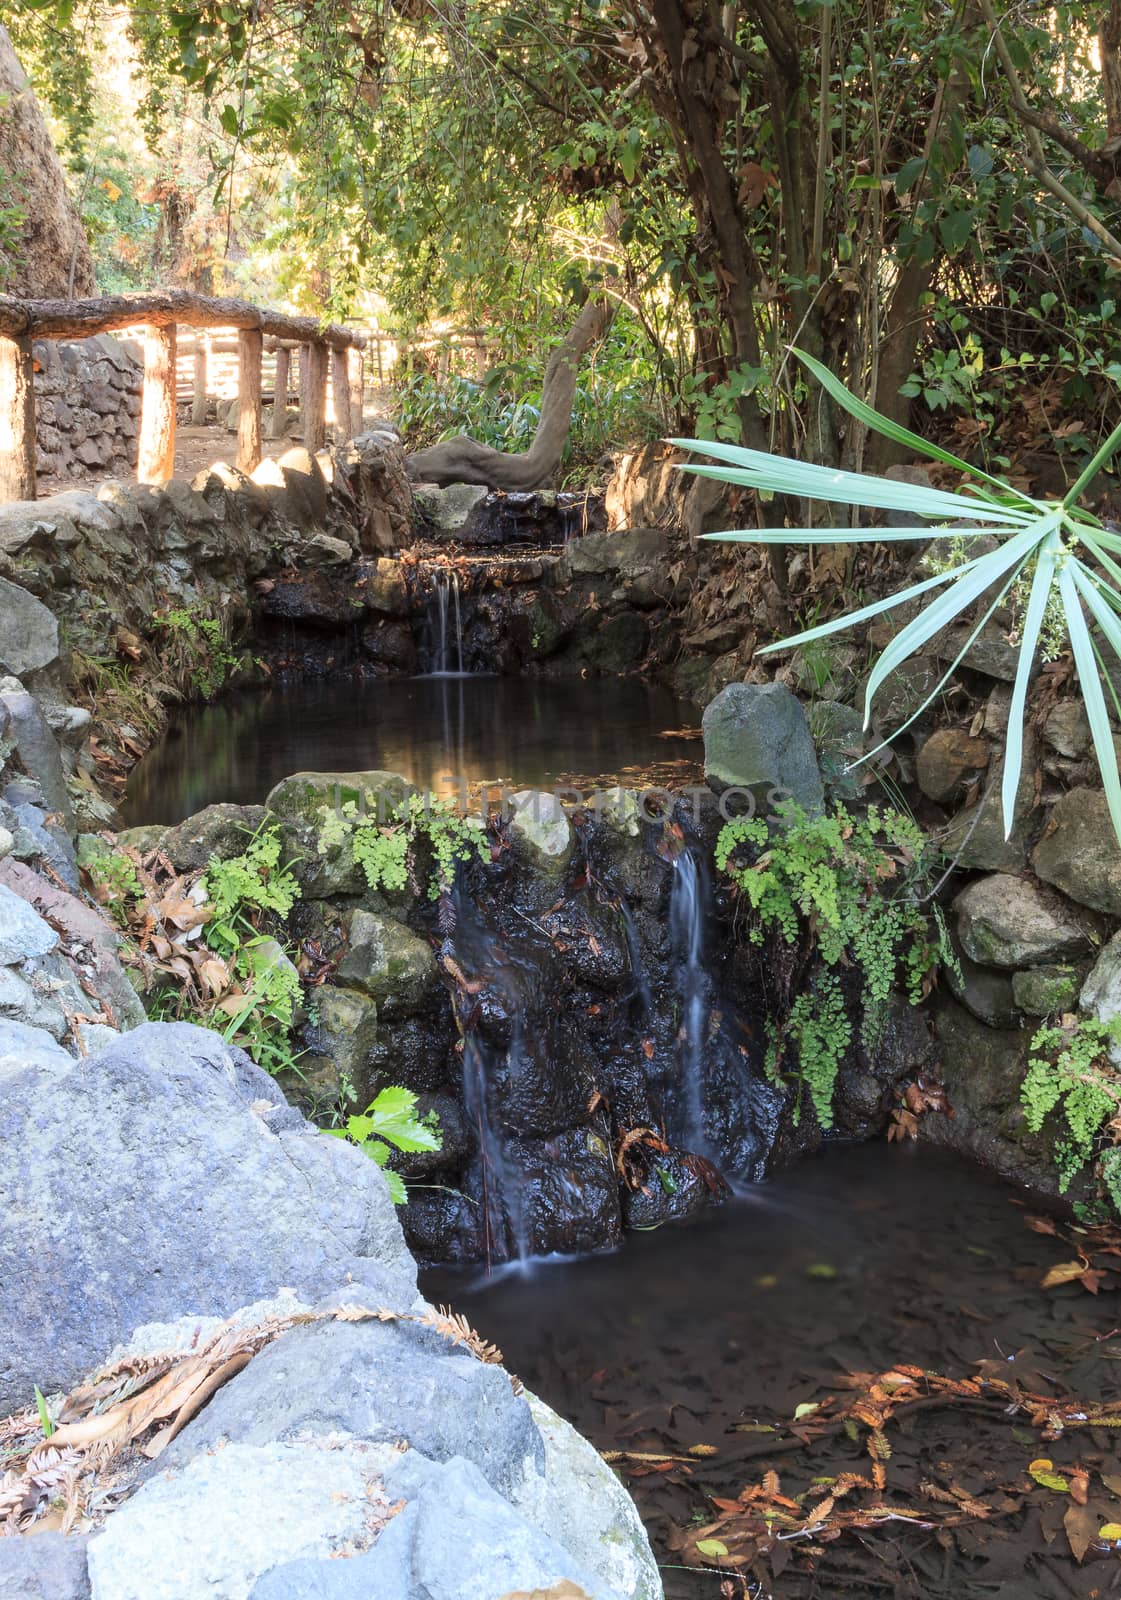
[850, 885]
[1070, 1071]
[384, 849]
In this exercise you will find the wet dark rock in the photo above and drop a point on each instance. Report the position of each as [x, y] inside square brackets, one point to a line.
[615, 644]
[983, 1068]
[417, 1052]
[316, 599]
[677, 1185]
[569, 1195]
[391, 645]
[456, 1141]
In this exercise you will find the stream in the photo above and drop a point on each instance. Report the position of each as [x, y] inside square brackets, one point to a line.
[854, 1261]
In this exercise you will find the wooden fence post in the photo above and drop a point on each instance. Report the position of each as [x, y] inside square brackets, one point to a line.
[313, 395]
[202, 364]
[17, 420]
[357, 367]
[156, 455]
[278, 423]
[340, 395]
[249, 345]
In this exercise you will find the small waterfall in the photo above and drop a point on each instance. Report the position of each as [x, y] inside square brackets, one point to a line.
[687, 938]
[503, 1212]
[446, 627]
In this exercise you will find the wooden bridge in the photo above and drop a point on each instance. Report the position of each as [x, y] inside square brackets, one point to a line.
[323, 352]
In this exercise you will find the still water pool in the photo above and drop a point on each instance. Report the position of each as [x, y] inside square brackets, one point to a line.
[528, 733]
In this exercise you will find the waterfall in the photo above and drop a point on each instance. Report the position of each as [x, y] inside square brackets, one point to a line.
[447, 645]
[687, 939]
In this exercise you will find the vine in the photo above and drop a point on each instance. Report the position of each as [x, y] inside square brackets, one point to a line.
[849, 886]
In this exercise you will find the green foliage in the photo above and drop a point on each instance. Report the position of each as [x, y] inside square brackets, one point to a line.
[385, 846]
[1070, 1071]
[253, 881]
[1056, 552]
[198, 651]
[819, 1031]
[851, 887]
[391, 1120]
[113, 877]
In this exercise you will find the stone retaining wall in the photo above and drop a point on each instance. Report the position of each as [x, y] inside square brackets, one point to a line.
[87, 407]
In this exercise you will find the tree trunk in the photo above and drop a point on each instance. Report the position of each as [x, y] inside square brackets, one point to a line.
[278, 423]
[463, 460]
[17, 420]
[155, 462]
[1109, 44]
[249, 399]
[313, 395]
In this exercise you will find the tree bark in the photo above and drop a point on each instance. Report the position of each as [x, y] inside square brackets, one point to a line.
[340, 395]
[249, 399]
[155, 462]
[1109, 45]
[278, 422]
[313, 395]
[463, 460]
[17, 420]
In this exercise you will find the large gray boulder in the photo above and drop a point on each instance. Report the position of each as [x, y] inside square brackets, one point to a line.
[28, 631]
[162, 1177]
[1079, 853]
[757, 738]
[1010, 922]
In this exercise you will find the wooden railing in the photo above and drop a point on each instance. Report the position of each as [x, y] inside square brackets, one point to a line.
[321, 347]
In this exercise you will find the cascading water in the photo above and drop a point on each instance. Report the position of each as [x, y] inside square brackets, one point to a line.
[687, 914]
[447, 625]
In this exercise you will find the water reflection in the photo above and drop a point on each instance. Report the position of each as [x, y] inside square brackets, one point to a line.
[518, 731]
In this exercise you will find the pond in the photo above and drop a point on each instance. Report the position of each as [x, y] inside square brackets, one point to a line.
[857, 1260]
[472, 729]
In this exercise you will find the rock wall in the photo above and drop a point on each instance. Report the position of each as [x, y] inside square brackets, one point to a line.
[87, 407]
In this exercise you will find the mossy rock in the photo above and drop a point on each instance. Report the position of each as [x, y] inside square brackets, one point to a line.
[298, 804]
[388, 962]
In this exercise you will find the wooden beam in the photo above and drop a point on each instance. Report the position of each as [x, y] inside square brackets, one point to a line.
[78, 319]
[155, 462]
[278, 423]
[198, 401]
[357, 365]
[340, 395]
[313, 395]
[249, 399]
[17, 420]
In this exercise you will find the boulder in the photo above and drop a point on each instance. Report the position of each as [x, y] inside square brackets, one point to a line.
[1045, 991]
[28, 631]
[37, 746]
[948, 761]
[1009, 922]
[447, 511]
[166, 1175]
[23, 932]
[387, 961]
[219, 830]
[50, 1566]
[1079, 852]
[338, 1039]
[986, 993]
[756, 737]
[299, 803]
[975, 839]
[1101, 993]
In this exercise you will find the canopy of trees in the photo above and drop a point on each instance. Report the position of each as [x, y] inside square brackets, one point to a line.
[924, 196]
